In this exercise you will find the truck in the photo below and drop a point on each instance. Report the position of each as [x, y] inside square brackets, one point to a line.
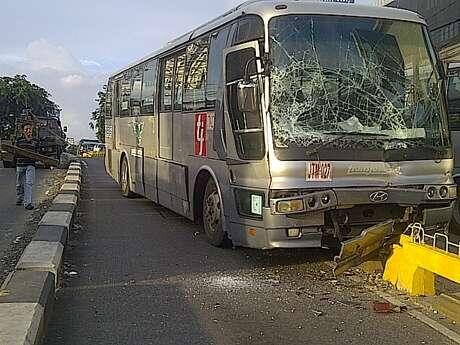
[51, 136]
[48, 132]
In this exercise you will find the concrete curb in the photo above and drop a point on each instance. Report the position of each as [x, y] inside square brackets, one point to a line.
[27, 297]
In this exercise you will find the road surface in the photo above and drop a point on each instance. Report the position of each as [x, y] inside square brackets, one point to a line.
[139, 274]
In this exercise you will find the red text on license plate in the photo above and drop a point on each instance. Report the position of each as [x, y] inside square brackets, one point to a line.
[319, 171]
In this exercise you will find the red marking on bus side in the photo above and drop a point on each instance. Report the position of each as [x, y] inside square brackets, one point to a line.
[200, 135]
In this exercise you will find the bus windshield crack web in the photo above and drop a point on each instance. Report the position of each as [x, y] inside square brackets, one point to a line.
[370, 92]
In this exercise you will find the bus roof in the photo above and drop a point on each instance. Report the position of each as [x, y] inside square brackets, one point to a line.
[266, 9]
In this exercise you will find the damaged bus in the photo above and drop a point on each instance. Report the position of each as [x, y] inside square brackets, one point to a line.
[281, 124]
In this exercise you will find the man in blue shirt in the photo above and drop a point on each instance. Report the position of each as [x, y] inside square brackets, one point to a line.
[25, 168]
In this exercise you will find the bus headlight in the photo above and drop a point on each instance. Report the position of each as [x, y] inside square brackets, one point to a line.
[431, 192]
[443, 192]
[290, 206]
[306, 202]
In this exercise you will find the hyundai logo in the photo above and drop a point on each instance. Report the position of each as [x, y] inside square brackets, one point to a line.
[379, 196]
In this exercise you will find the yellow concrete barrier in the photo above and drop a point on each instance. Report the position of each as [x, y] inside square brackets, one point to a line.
[416, 259]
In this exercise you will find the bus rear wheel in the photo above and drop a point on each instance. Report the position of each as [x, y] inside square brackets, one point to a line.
[125, 181]
[212, 216]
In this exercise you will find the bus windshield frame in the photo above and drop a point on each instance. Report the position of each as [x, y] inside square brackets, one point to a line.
[341, 84]
[453, 97]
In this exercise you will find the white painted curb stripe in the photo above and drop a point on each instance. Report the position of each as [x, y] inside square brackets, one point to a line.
[59, 218]
[66, 199]
[70, 187]
[20, 323]
[73, 178]
[42, 256]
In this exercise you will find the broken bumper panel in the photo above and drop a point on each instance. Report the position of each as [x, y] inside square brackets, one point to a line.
[360, 249]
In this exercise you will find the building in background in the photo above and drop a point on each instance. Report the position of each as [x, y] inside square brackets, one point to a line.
[442, 16]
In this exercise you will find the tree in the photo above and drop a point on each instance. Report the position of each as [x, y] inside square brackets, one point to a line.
[18, 94]
[98, 116]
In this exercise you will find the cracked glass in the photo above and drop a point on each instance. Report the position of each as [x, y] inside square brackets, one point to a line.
[340, 84]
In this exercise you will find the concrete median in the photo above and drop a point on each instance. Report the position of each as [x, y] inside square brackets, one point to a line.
[42, 256]
[25, 306]
[70, 188]
[27, 297]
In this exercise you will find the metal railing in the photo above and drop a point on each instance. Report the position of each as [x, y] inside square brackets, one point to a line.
[418, 236]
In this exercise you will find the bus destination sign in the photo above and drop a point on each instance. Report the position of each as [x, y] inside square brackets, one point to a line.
[341, 1]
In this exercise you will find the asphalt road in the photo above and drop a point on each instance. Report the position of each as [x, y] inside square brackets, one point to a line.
[139, 274]
[12, 217]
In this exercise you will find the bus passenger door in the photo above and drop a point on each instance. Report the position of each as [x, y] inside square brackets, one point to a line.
[165, 120]
[137, 124]
[246, 151]
[172, 173]
[109, 127]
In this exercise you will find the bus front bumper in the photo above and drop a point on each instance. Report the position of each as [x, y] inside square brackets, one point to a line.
[313, 229]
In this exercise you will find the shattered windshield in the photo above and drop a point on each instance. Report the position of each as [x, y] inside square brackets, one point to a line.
[354, 82]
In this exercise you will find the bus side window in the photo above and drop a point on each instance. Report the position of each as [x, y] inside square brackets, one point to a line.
[250, 28]
[167, 70]
[453, 97]
[109, 100]
[148, 87]
[247, 127]
[135, 99]
[195, 75]
[117, 98]
[217, 44]
[125, 95]
[179, 80]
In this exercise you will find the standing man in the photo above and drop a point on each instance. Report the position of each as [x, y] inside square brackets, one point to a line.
[25, 168]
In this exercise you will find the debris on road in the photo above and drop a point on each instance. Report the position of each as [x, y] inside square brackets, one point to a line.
[317, 312]
[387, 307]
[71, 273]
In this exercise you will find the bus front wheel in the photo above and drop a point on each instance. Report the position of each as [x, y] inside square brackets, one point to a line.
[125, 180]
[212, 216]
[454, 226]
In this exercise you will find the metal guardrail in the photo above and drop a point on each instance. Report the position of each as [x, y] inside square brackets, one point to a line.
[418, 258]
[418, 236]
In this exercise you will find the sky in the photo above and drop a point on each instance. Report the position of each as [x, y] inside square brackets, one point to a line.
[71, 47]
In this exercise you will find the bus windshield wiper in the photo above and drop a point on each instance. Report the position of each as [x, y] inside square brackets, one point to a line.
[357, 133]
[340, 137]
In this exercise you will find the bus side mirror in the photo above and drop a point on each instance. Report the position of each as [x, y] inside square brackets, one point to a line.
[247, 94]
[65, 129]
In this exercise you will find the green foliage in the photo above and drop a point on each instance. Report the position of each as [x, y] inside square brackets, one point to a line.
[98, 116]
[18, 94]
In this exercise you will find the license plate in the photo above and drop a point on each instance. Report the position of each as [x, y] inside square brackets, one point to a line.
[319, 171]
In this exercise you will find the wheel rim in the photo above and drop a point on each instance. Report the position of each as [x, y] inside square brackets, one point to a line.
[212, 211]
[124, 176]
